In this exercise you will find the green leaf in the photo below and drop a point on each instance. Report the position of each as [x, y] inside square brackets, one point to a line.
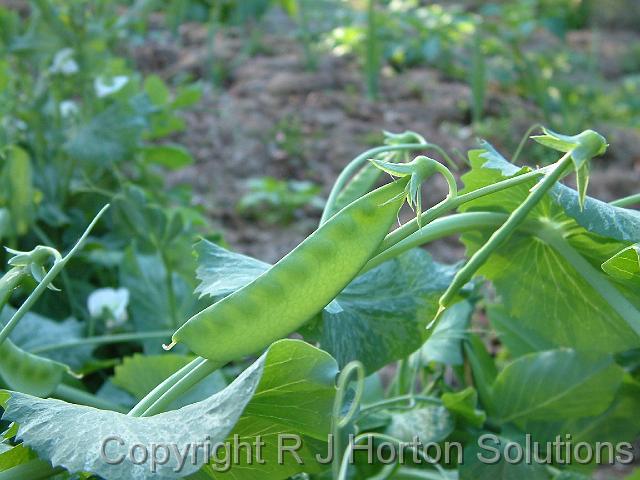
[171, 156]
[385, 311]
[110, 137]
[429, 424]
[157, 90]
[555, 385]
[445, 343]
[187, 96]
[150, 307]
[625, 265]
[140, 374]
[222, 272]
[290, 387]
[486, 459]
[518, 339]
[4, 396]
[526, 268]
[619, 423]
[463, 405]
[49, 332]
[12, 456]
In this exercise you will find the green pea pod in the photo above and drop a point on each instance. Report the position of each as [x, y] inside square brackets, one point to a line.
[20, 370]
[291, 292]
[359, 185]
[29, 373]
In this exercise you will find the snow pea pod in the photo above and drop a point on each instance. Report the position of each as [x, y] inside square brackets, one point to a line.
[20, 370]
[291, 292]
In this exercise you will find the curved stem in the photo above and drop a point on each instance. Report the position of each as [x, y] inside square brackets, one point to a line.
[48, 278]
[627, 201]
[102, 340]
[400, 399]
[439, 228]
[338, 422]
[353, 167]
[523, 140]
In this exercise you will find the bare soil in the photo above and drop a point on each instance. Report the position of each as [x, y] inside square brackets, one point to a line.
[273, 117]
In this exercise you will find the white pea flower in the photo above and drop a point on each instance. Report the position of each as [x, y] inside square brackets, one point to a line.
[107, 86]
[64, 63]
[68, 108]
[111, 302]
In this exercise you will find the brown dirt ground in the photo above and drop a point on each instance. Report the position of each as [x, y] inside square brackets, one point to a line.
[276, 118]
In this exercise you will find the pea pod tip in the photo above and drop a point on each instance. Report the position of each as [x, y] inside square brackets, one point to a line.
[166, 347]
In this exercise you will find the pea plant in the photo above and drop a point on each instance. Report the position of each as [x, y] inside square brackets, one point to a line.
[534, 337]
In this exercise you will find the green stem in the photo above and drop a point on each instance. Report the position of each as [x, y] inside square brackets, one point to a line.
[180, 387]
[339, 422]
[35, 469]
[501, 234]
[439, 228]
[174, 386]
[46, 281]
[75, 308]
[173, 307]
[627, 201]
[523, 141]
[595, 278]
[103, 340]
[73, 395]
[387, 402]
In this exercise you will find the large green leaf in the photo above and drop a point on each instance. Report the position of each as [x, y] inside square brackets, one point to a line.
[445, 343]
[463, 405]
[290, 387]
[385, 311]
[222, 272]
[517, 338]
[49, 332]
[555, 385]
[111, 136]
[542, 292]
[150, 306]
[619, 423]
[486, 459]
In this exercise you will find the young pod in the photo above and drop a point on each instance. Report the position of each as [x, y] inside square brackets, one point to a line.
[291, 292]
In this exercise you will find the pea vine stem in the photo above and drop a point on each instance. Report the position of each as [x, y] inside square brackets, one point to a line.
[103, 340]
[48, 278]
[560, 169]
[627, 201]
